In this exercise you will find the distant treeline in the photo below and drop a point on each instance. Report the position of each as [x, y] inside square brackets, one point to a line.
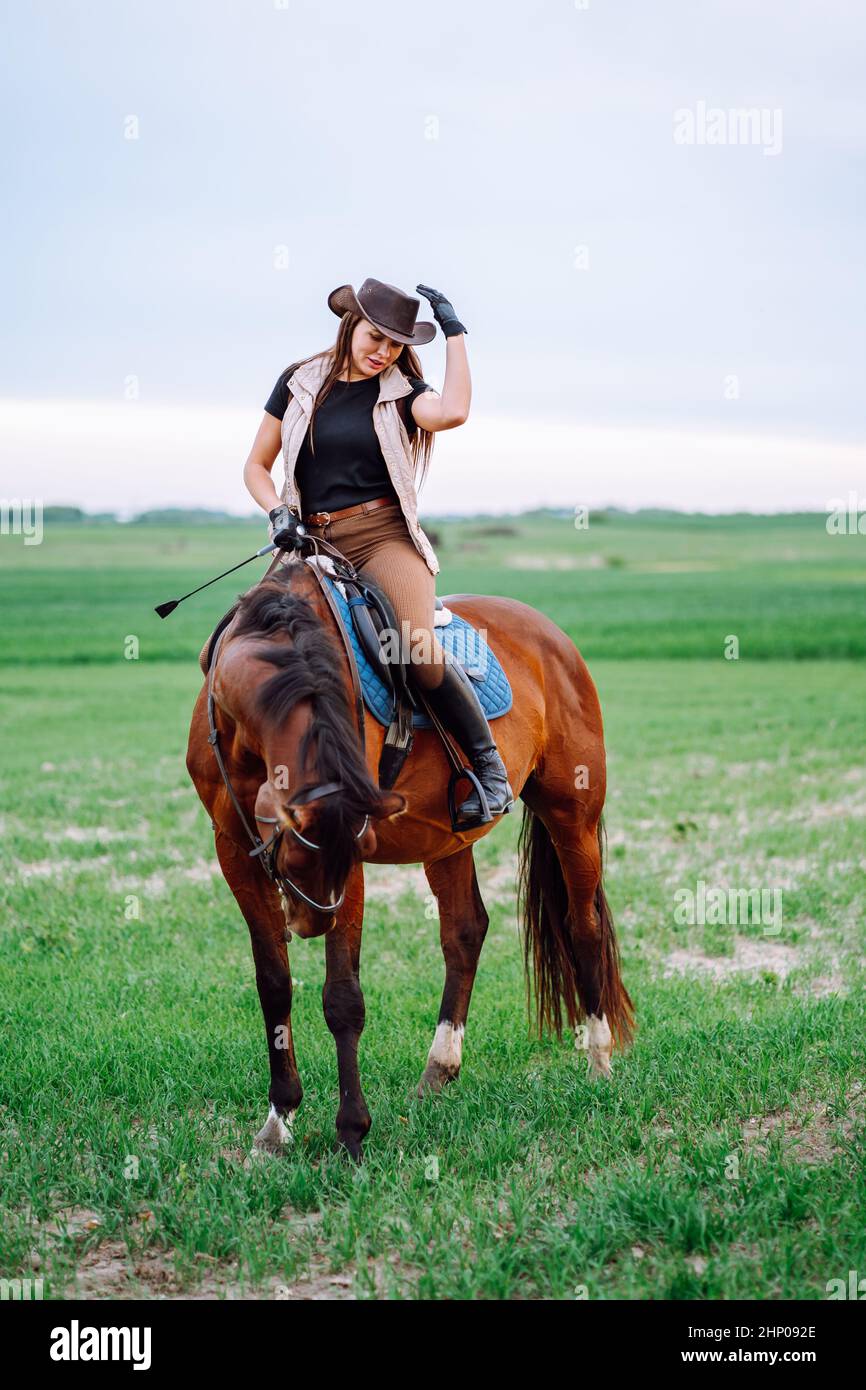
[201, 516]
[163, 516]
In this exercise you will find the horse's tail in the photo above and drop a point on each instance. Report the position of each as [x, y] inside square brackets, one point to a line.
[549, 945]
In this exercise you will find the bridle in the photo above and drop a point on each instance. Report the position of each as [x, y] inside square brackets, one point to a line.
[266, 850]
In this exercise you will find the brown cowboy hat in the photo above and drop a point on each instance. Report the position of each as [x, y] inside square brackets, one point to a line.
[385, 306]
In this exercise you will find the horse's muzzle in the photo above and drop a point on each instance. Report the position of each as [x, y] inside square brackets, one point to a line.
[309, 926]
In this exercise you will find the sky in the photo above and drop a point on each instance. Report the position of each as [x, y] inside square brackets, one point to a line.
[665, 302]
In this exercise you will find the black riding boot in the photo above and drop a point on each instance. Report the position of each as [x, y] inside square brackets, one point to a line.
[456, 704]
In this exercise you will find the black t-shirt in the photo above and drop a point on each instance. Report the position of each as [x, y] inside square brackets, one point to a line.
[348, 466]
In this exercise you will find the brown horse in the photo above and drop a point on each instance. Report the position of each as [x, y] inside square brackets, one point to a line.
[282, 721]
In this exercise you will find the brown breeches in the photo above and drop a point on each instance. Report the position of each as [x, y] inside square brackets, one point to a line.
[379, 543]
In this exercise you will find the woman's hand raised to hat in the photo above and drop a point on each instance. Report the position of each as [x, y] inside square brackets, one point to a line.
[443, 311]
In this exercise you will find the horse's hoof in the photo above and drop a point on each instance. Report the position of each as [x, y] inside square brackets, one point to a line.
[274, 1137]
[353, 1149]
[599, 1046]
[599, 1065]
[435, 1079]
[443, 1059]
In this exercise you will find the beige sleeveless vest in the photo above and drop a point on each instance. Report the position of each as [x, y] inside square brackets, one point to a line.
[390, 430]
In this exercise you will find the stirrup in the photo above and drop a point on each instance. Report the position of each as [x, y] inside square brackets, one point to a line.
[469, 822]
[485, 816]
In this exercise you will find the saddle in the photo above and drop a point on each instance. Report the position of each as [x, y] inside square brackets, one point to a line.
[383, 680]
[366, 614]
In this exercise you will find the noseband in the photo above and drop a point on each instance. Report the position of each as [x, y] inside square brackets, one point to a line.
[266, 850]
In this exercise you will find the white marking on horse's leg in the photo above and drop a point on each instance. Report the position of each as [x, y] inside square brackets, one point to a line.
[274, 1136]
[599, 1045]
[447, 1049]
[444, 1057]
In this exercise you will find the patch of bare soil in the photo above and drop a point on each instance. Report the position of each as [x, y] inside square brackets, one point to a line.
[749, 957]
[761, 955]
[75, 1222]
[499, 883]
[110, 1272]
[107, 1269]
[806, 1128]
[825, 985]
[556, 562]
[385, 882]
[389, 881]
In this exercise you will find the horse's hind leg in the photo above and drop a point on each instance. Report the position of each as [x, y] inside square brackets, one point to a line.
[580, 860]
[267, 925]
[462, 929]
[570, 931]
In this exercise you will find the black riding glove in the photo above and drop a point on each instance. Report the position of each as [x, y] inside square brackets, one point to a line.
[443, 311]
[284, 527]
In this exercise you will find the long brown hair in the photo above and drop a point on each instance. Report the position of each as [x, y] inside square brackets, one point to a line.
[421, 443]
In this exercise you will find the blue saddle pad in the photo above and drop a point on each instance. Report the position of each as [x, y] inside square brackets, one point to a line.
[461, 640]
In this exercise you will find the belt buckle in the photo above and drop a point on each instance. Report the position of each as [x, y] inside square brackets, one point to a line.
[316, 519]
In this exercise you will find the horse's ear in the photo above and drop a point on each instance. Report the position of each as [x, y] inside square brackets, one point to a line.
[391, 804]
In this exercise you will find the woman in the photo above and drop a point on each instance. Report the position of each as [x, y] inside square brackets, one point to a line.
[356, 424]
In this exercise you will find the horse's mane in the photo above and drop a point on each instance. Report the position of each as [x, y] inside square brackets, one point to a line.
[307, 669]
[310, 669]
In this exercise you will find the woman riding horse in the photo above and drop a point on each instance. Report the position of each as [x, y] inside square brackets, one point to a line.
[351, 457]
[279, 744]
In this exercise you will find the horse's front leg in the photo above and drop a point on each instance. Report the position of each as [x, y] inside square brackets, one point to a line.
[260, 905]
[344, 1011]
[462, 928]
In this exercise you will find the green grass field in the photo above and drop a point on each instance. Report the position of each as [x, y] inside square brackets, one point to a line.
[726, 1157]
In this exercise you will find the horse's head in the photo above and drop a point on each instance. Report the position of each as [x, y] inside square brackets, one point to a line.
[315, 838]
[317, 811]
